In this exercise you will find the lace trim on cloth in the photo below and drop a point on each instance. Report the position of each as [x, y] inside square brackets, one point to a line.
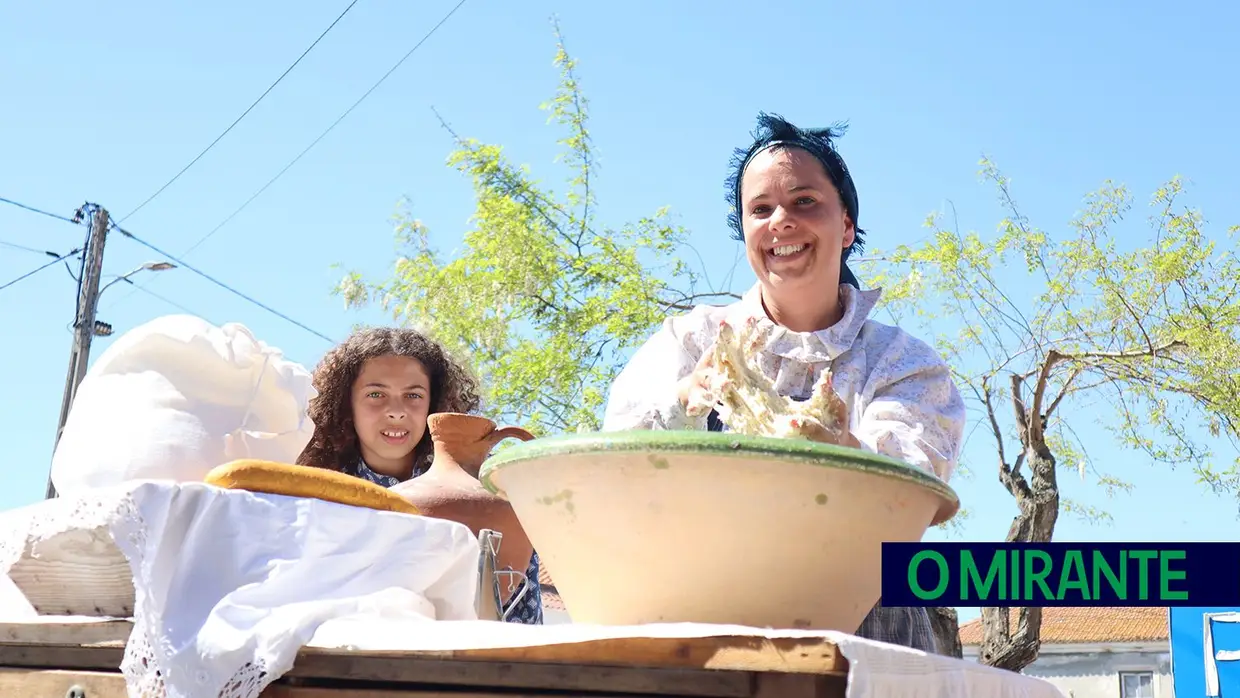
[118, 513]
[161, 527]
[148, 649]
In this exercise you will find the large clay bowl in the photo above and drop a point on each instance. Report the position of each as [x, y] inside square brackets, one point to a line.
[684, 526]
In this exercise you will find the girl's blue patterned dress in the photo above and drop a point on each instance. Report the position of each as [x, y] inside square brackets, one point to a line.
[529, 607]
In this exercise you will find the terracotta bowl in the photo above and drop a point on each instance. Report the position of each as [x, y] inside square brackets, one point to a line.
[686, 526]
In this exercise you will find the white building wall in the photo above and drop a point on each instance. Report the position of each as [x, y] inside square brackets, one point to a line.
[1092, 671]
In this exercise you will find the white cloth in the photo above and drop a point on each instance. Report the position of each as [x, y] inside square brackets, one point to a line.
[229, 585]
[878, 670]
[901, 398]
[177, 396]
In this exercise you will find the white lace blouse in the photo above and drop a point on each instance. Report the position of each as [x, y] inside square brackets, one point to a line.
[901, 397]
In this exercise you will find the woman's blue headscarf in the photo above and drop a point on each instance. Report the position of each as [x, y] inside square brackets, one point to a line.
[775, 132]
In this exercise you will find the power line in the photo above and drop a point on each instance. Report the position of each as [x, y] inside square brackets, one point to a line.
[217, 282]
[243, 114]
[329, 128]
[170, 302]
[308, 148]
[23, 248]
[32, 209]
[45, 266]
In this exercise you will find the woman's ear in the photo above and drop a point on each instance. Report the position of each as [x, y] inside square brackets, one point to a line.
[850, 233]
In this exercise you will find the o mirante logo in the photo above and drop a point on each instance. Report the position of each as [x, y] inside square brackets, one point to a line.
[1061, 574]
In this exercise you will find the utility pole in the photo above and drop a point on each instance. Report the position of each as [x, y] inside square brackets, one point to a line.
[84, 323]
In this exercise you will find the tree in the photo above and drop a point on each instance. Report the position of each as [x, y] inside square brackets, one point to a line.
[1047, 324]
[544, 301]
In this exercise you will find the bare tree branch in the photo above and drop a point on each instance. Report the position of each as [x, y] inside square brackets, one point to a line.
[686, 303]
[1063, 391]
[1125, 355]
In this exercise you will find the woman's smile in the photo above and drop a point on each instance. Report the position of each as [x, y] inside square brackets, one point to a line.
[787, 250]
[788, 256]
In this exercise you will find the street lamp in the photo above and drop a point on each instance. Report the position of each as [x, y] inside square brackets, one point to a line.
[80, 356]
[103, 329]
[149, 266]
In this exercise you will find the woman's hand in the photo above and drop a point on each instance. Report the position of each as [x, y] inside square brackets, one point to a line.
[837, 414]
[824, 417]
[695, 388]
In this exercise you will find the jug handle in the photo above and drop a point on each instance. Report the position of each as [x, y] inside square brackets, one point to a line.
[509, 432]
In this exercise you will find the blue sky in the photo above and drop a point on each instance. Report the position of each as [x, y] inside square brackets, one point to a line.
[107, 103]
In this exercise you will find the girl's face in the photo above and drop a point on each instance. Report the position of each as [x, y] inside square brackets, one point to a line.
[390, 400]
[795, 225]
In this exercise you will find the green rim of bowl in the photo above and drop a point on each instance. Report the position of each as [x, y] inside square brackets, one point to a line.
[724, 445]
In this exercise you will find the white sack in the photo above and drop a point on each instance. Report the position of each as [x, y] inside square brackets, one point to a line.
[177, 396]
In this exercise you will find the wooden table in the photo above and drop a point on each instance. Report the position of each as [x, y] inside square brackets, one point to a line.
[82, 660]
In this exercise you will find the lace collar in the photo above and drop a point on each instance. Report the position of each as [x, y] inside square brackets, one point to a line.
[810, 347]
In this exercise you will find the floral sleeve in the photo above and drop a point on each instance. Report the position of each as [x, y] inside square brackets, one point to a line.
[915, 414]
[643, 396]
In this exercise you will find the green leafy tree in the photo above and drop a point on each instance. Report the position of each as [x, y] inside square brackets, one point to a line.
[544, 300]
[1138, 328]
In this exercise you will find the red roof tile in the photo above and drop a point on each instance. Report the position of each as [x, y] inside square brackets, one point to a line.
[1087, 625]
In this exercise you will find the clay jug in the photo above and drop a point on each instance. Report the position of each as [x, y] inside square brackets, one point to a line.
[450, 488]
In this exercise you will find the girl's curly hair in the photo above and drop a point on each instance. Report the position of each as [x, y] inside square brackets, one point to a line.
[334, 445]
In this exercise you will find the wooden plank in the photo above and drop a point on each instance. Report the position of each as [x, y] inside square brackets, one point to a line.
[799, 686]
[24, 683]
[61, 657]
[283, 691]
[736, 653]
[78, 572]
[35, 683]
[730, 653]
[403, 668]
[68, 633]
[711, 666]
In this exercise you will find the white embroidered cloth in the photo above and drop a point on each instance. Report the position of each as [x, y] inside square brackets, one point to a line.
[229, 585]
[901, 398]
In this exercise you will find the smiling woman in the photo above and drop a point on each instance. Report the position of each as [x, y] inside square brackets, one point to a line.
[795, 208]
[797, 232]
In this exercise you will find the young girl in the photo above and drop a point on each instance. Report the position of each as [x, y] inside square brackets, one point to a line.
[375, 391]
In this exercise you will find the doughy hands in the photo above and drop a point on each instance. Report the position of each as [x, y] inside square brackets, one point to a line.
[728, 379]
[697, 390]
[833, 427]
